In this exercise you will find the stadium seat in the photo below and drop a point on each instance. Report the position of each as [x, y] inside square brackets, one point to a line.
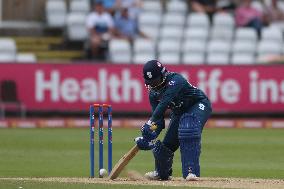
[277, 25]
[4, 58]
[280, 5]
[244, 47]
[169, 51]
[194, 46]
[169, 46]
[263, 59]
[169, 58]
[169, 32]
[8, 46]
[198, 20]
[243, 58]
[223, 20]
[196, 34]
[143, 50]
[247, 34]
[179, 7]
[152, 32]
[152, 6]
[26, 58]
[56, 11]
[221, 4]
[222, 33]
[8, 50]
[149, 19]
[218, 58]
[272, 34]
[174, 19]
[193, 58]
[80, 6]
[218, 46]
[258, 6]
[76, 28]
[141, 58]
[120, 51]
[143, 45]
[121, 58]
[269, 48]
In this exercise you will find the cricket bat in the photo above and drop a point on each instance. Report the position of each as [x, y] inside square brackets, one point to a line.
[125, 159]
[123, 162]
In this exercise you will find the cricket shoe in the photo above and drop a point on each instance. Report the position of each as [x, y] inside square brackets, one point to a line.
[191, 177]
[153, 175]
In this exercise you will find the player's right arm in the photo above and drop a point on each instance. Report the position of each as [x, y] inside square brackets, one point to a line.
[148, 130]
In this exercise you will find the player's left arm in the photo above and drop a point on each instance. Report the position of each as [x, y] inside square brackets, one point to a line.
[174, 87]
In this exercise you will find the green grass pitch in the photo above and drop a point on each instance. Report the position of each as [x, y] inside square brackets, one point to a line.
[249, 153]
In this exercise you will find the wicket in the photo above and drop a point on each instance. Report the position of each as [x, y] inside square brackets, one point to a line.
[100, 110]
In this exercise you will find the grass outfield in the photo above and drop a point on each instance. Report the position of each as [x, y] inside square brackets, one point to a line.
[249, 153]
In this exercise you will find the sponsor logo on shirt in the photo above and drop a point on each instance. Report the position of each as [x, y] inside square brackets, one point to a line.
[172, 82]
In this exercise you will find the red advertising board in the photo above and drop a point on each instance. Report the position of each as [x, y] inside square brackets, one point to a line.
[73, 87]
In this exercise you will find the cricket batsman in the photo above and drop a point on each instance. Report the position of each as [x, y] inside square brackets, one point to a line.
[190, 109]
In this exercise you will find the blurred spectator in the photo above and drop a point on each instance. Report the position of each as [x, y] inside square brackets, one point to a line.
[126, 26]
[100, 25]
[204, 6]
[273, 13]
[247, 16]
[134, 7]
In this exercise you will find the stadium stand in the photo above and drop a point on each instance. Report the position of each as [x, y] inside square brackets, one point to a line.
[163, 22]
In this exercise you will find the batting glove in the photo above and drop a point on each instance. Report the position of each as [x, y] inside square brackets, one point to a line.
[148, 131]
[143, 144]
